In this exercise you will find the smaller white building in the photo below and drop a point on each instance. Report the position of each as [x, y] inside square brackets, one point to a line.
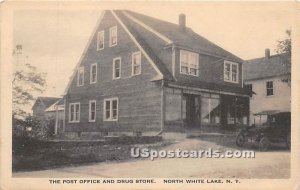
[58, 110]
[50, 108]
[266, 76]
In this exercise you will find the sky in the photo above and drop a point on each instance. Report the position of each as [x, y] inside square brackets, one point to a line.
[53, 40]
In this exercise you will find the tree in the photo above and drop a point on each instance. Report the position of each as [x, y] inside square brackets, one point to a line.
[284, 49]
[26, 81]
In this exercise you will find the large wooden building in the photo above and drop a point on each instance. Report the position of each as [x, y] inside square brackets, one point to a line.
[143, 75]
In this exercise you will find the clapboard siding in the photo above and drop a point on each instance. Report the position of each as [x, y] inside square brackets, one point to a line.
[139, 98]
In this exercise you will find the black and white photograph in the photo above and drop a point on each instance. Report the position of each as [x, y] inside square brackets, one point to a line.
[149, 95]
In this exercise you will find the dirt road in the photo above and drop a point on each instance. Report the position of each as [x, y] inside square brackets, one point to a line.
[273, 164]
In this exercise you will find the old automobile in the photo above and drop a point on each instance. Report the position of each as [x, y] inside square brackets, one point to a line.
[269, 127]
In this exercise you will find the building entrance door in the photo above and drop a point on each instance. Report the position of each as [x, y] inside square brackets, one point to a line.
[192, 111]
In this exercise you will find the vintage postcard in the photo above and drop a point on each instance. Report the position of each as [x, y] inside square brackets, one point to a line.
[150, 95]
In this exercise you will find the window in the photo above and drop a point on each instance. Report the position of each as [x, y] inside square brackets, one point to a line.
[100, 40]
[93, 73]
[248, 86]
[113, 36]
[270, 89]
[111, 109]
[92, 111]
[237, 110]
[210, 109]
[189, 63]
[74, 112]
[234, 72]
[80, 75]
[231, 72]
[117, 68]
[136, 63]
[227, 72]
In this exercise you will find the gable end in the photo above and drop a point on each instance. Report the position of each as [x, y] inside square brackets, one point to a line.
[139, 46]
[84, 52]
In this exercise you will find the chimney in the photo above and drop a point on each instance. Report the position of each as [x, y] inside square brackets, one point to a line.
[182, 22]
[267, 53]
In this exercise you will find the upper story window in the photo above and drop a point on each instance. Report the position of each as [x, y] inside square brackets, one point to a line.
[100, 40]
[80, 76]
[136, 63]
[74, 112]
[93, 73]
[231, 72]
[189, 63]
[92, 111]
[117, 68]
[270, 88]
[249, 86]
[113, 36]
[111, 109]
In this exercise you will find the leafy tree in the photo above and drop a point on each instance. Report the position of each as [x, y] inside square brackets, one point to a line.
[26, 81]
[29, 130]
[284, 49]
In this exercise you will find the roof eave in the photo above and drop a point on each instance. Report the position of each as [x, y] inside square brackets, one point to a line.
[266, 77]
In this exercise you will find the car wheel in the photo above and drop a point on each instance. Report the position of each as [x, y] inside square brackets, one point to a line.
[264, 144]
[240, 140]
[288, 141]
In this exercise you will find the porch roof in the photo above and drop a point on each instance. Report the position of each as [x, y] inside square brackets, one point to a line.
[213, 87]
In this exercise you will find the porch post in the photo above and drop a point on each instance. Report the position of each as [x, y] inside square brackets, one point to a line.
[248, 111]
[162, 106]
[64, 121]
[56, 120]
[223, 111]
[181, 108]
[235, 110]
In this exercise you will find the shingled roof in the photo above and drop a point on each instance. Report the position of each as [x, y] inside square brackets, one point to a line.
[214, 87]
[46, 101]
[59, 104]
[188, 38]
[155, 35]
[134, 30]
[264, 67]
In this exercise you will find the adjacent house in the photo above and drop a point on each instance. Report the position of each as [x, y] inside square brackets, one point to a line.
[267, 78]
[139, 74]
[41, 104]
[58, 110]
[50, 108]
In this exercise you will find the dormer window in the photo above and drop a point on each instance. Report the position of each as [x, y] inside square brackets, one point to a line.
[189, 63]
[113, 36]
[231, 72]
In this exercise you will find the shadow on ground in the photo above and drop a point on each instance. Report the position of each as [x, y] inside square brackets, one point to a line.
[228, 142]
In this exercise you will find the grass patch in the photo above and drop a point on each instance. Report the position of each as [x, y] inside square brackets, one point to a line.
[40, 155]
